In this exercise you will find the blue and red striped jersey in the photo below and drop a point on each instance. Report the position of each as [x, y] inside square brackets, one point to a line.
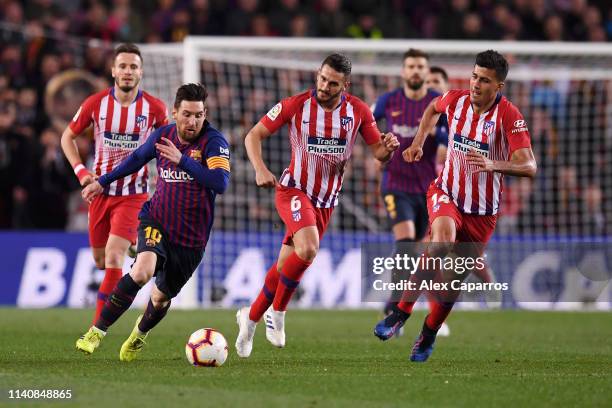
[402, 116]
[184, 199]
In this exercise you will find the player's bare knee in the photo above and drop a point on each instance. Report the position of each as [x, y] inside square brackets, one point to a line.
[443, 236]
[114, 258]
[141, 274]
[159, 300]
[307, 251]
[439, 248]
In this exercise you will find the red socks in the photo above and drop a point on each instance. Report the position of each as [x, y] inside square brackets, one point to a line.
[438, 314]
[292, 272]
[266, 295]
[111, 277]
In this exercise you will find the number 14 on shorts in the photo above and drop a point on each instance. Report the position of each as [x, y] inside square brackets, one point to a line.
[437, 199]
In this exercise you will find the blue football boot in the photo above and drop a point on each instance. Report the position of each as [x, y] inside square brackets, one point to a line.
[390, 325]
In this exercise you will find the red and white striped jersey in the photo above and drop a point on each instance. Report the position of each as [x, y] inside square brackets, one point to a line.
[496, 134]
[321, 142]
[118, 131]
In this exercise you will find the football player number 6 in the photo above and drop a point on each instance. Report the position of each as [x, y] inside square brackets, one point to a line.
[295, 204]
[442, 199]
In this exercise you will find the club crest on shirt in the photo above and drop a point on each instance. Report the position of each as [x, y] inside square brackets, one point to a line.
[196, 154]
[141, 120]
[489, 127]
[347, 123]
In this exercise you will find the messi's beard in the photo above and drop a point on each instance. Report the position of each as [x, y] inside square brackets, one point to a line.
[187, 137]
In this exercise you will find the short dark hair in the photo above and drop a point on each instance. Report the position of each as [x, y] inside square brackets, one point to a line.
[128, 48]
[339, 62]
[190, 92]
[415, 53]
[439, 70]
[493, 60]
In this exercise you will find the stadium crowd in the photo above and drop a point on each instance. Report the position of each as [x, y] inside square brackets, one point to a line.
[42, 38]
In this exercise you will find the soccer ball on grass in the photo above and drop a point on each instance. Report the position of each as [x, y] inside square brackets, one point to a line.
[206, 348]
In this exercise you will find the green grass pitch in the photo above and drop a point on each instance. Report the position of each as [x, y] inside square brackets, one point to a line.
[493, 359]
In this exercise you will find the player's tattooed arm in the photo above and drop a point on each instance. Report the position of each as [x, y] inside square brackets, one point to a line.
[522, 163]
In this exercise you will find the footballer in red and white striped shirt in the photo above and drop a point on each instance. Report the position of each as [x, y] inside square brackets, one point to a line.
[123, 117]
[323, 125]
[488, 138]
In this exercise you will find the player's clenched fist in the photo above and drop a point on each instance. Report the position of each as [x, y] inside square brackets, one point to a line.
[412, 154]
[91, 191]
[86, 180]
[481, 163]
[265, 178]
[390, 142]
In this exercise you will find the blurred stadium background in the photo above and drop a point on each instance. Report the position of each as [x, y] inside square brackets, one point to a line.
[55, 53]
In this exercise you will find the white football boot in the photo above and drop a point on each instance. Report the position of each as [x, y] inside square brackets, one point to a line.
[275, 327]
[246, 332]
[444, 330]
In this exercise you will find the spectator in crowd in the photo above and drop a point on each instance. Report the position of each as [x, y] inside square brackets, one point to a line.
[332, 19]
[365, 27]
[238, 21]
[14, 168]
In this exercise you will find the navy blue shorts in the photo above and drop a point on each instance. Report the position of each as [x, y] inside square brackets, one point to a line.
[407, 207]
[175, 263]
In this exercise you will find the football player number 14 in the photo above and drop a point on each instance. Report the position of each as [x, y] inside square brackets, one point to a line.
[443, 198]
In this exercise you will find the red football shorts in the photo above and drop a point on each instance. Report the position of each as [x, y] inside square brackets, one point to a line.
[117, 215]
[470, 227]
[297, 211]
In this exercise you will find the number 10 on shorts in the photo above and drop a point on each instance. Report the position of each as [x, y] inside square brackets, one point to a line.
[152, 236]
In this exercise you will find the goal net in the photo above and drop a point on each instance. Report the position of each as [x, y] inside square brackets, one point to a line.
[563, 90]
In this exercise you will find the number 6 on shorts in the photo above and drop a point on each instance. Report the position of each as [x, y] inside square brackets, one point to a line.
[295, 203]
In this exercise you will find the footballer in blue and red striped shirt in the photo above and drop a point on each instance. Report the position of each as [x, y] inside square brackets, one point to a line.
[193, 167]
[404, 185]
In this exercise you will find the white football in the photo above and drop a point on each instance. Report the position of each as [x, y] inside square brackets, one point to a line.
[206, 348]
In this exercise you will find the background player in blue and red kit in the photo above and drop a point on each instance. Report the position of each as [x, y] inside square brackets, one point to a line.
[323, 125]
[404, 185]
[489, 139]
[123, 117]
[193, 166]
